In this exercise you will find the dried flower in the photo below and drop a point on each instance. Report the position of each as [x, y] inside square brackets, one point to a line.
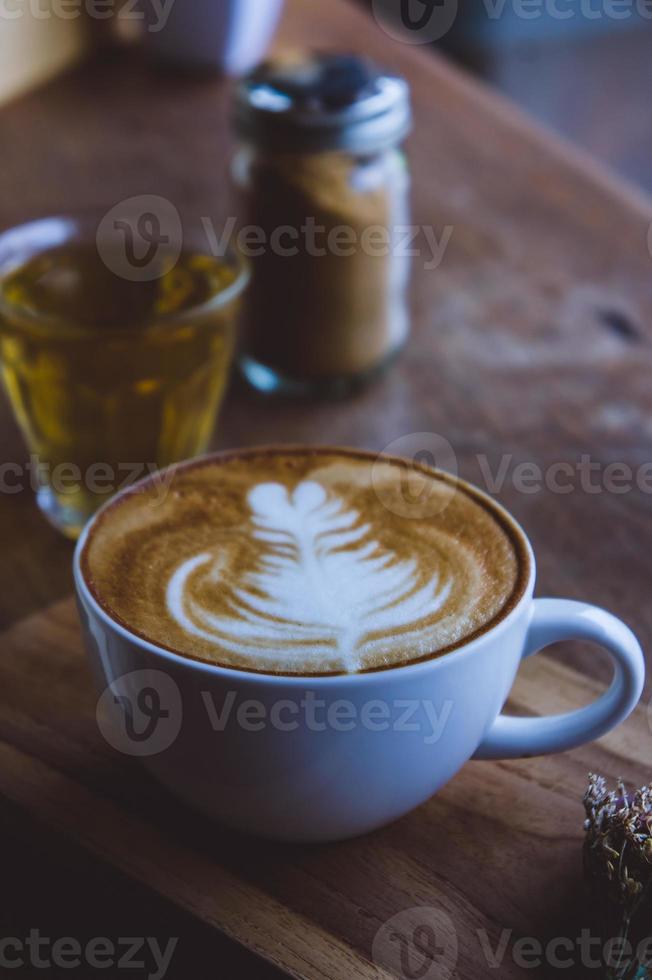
[618, 864]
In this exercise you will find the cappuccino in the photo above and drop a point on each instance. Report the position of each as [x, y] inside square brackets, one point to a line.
[305, 561]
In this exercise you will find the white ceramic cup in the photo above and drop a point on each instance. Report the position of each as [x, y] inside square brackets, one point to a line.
[325, 758]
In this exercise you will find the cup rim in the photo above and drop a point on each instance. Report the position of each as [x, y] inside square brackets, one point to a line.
[522, 595]
[58, 229]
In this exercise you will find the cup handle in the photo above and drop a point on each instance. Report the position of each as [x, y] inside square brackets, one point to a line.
[554, 620]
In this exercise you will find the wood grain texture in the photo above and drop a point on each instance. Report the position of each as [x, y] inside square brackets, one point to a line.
[532, 339]
[498, 848]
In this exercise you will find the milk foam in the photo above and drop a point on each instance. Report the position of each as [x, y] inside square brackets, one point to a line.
[322, 584]
[303, 562]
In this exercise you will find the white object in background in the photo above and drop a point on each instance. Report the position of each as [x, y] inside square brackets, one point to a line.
[231, 36]
[35, 45]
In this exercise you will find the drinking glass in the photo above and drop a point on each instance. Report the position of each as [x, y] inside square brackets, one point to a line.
[115, 358]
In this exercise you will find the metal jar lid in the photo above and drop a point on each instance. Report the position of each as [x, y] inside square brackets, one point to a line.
[316, 102]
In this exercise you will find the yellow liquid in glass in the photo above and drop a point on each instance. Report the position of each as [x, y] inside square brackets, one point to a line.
[108, 377]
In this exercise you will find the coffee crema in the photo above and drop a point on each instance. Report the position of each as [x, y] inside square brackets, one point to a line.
[305, 561]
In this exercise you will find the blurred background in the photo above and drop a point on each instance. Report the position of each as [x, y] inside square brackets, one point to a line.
[583, 74]
[586, 75]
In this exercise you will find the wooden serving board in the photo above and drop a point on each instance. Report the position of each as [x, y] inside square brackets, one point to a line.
[498, 849]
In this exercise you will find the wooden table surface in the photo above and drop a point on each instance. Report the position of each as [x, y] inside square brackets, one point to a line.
[531, 345]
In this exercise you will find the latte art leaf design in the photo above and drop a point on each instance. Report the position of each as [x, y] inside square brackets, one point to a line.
[321, 586]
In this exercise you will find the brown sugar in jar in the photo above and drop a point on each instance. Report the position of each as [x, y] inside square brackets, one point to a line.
[323, 187]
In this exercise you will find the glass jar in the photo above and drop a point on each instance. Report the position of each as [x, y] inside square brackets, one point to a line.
[324, 203]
